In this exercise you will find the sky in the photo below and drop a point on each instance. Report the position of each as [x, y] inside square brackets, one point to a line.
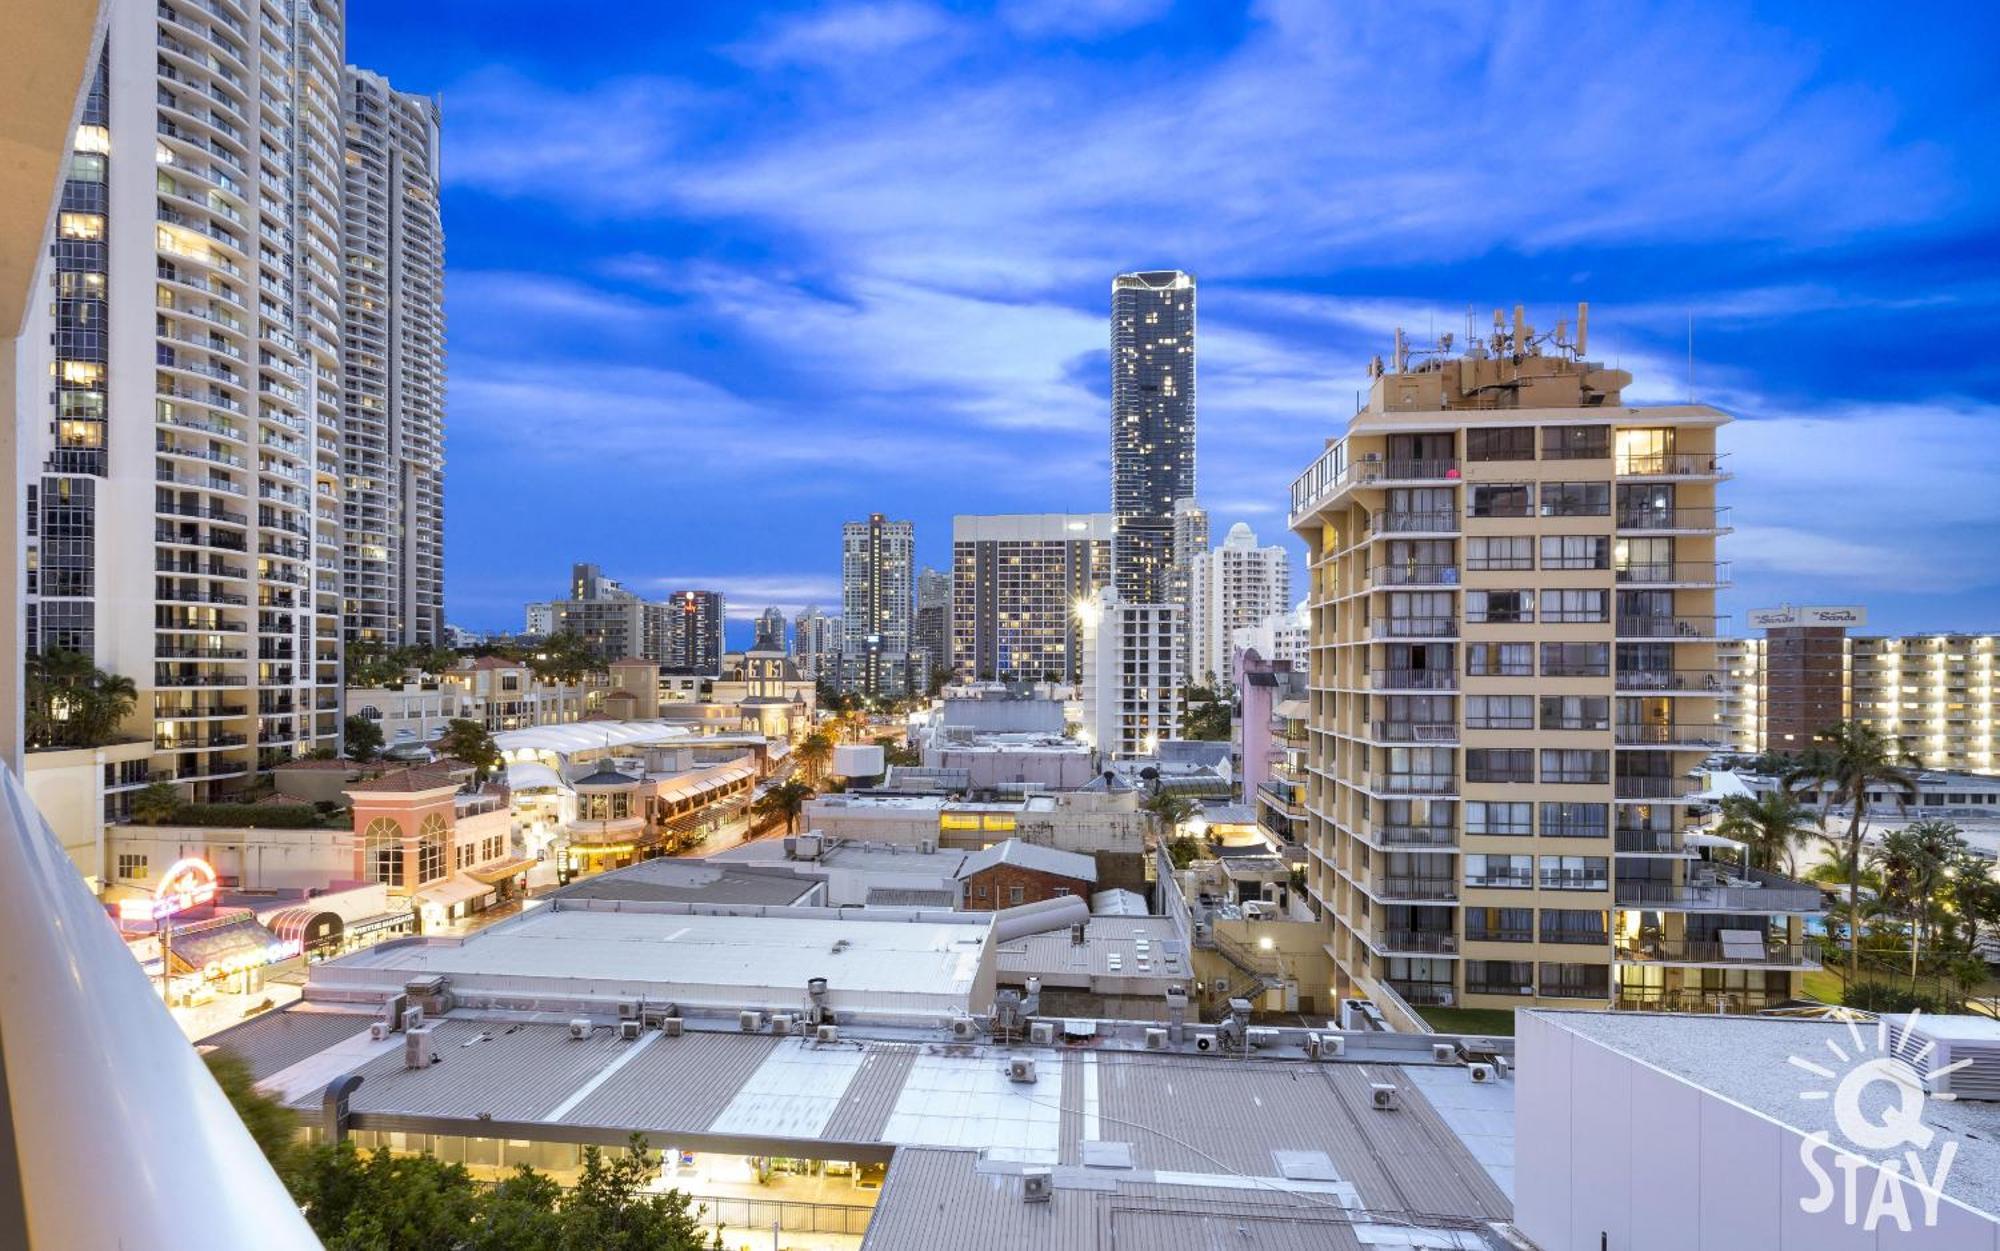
[721, 277]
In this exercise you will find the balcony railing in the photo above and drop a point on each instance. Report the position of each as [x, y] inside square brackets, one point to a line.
[1703, 951]
[1631, 626]
[1669, 465]
[1433, 469]
[1701, 680]
[1654, 734]
[1415, 835]
[1415, 732]
[1417, 783]
[1416, 575]
[1413, 680]
[1442, 522]
[1673, 573]
[1389, 886]
[1752, 891]
[1564, 990]
[1423, 994]
[1414, 627]
[1644, 787]
[1427, 941]
[1650, 842]
[1666, 519]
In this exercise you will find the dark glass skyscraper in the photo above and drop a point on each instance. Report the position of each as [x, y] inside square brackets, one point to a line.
[1152, 424]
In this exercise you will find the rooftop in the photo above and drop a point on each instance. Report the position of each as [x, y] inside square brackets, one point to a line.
[1033, 856]
[597, 736]
[695, 881]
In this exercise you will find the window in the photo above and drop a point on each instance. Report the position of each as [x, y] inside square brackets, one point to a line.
[1500, 977]
[88, 226]
[1576, 873]
[1575, 766]
[1576, 551]
[1571, 925]
[1576, 820]
[1015, 894]
[1502, 443]
[1499, 764]
[1576, 499]
[1565, 607]
[1646, 451]
[1576, 981]
[1501, 872]
[432, 836]
[132, 867]
[1499, 819]
[1500, 552]
[1576, 712]
[1576, 660]
[382, 851]
[1499, 607]
[1499, 712]
[1576, 442]
[1500, 925]
[1500, 660]
[1501, 499]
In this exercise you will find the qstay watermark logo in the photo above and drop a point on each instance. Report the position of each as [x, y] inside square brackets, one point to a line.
[1878, 1107]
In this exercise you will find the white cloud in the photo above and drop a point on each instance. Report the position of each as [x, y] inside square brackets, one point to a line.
[746, 595]
[1078, 18]
[840, 37]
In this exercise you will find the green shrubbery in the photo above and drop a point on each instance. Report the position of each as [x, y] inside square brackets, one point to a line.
[242, 816]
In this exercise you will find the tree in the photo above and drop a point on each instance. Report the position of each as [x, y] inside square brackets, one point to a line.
[1183, 851]
[371, 664]
[156, 804]
[813, 753]
[1169, 812]
[1913, 862]
[899, 754]
[69, 702]
[1206, 713]
[785, 800]
[468, 741]
[1849, 759]
[566, 658]
[1771, 824]
[271, 1124]
[364, 738]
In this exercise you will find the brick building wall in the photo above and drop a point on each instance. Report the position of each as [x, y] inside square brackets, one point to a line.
[994, 888]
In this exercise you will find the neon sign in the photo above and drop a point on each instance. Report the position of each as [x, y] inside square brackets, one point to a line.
[188, 883]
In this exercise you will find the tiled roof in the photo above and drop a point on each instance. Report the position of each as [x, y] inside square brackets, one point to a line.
[410, 781]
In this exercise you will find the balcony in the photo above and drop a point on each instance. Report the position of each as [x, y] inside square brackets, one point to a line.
[1750, 891]
[1697, 737]
[1414, 942]
[1414, 731]
[1413, 680]
[1415, 575]
[1673, 520]
[1584, 990]
[1670, 628]
[1754, 951]
[1402, 886]
[1445, 522]
[1687, 573]
[1416, 783]
[1413, 835]
[1643, 786]
[1673, 681]
[1442, 469]
[1650, 843]
[1413, 628]
[1423, 994]
[1670, 465]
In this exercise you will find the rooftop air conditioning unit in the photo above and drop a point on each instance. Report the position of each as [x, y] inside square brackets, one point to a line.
[1481, 1074]
[750, 1021]
[628, 1030]
[1020, 1069]
[827, 1034]
[1383, 1097]
[781, 1023]
[1444, 1053]
[964, 1029]
[1037, 1185]
[417, 1048]
[628, 1009]
[1261, 1037]
[926, 846]
[1156, 1040]
[378, 1031]
[1929, 1045]
[1325, 1046]
[1042, 1033]
[579, 1029]
[672, 1027]
[413, 1018]
[1205, 1041]
[1502, 1066]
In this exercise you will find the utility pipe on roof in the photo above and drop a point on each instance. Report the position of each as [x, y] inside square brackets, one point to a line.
[1039, 917]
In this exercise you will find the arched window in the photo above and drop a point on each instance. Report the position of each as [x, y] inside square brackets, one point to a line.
[432, 836]
[382, 851]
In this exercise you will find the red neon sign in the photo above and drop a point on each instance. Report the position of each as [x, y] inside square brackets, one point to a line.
[186, 884]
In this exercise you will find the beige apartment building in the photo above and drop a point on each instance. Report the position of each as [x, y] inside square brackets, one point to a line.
[1512, 676]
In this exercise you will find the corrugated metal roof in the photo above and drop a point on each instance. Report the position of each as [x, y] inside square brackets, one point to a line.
[676, 1084]
[864, 1110]
[277, 1040]
[1025, 855]
[517, 1072]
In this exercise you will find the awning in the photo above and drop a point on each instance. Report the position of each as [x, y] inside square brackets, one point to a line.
[455, 889]
[530, 776]
[309, 927]
[237, 943]
[504, 870]
[1697, 838]
[1292, 710]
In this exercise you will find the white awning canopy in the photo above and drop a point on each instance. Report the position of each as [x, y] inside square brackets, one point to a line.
[455, 889]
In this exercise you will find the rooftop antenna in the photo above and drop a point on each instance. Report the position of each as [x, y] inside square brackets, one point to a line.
[1520, 330]
[1582, 327]
[1690, 356]
[1402, 352]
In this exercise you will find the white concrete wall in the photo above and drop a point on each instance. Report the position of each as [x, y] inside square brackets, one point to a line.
[1612, 1153]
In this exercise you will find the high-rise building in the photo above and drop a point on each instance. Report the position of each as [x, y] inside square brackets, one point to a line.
[392, 447]
[1016, 583]
[1190, 540]
[183, 462]
[1152, 425]
[932, 624]
[1237, 586]
[770, 636]
[1131, 667]
[816, 643]
[878, 563]
[615, 622]
[1934, 693]
[694, 632]
[1513, 660]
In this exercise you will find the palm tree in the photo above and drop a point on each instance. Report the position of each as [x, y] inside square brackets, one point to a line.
[156, 804]
[1913, 863]
[70, 702]
[1771, 824]
[813, 752]
[786, 799]
[1850, 759]
[1169, 811]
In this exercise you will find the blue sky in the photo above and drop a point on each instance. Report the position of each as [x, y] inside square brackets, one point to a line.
[723, 276]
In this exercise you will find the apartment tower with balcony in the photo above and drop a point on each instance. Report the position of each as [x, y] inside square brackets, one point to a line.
[1152, 425]
[184, 507]
[1016, 582]
[1512, 676]
[392, 568]
[1237, 586]
[877, 572]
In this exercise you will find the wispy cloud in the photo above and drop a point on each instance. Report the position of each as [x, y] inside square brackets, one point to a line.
[843, 36]
[747, 595]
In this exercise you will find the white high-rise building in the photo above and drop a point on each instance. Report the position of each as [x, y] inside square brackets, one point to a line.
[393, 450]
[183, 433]
[816, 643]
[1016, 581]
[1131, 666]
[878, 568]
[1235, 587]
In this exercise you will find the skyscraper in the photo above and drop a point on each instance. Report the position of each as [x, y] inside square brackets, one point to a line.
[1016, 583]
[615, 622]
[933, 620]
[1152, 424]
[1234, 587]
[183, 489]
[393, 355]
[877, 564]
[1131, 664]
[694, 632]
[770, 631]
[1190, 540]
[816, 643]
[1513, 653]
